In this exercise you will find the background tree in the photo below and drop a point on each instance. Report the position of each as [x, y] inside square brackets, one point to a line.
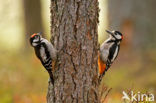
[32, 17]
[74, 34]
[135, 19]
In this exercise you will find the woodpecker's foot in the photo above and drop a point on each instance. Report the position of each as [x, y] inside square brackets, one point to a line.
[100, 77]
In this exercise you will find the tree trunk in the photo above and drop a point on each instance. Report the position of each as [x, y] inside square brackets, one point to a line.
[74, 34]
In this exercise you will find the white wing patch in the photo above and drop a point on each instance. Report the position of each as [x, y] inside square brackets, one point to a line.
[50, 47]
[43, 55]
[115, 54]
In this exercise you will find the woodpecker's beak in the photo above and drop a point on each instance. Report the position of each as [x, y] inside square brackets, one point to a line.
[109, 32]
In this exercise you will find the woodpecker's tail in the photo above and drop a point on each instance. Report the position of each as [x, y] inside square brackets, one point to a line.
[51, 77]
[101, 76]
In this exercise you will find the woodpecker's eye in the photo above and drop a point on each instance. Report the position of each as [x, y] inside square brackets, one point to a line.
[115, 33]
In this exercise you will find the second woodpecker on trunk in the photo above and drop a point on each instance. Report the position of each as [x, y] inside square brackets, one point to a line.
[109, 51]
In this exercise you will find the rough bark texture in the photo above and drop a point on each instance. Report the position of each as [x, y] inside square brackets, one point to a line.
[74, 34]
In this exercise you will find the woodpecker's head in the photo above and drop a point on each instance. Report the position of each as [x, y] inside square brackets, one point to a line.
[35, 39]
[115, 35]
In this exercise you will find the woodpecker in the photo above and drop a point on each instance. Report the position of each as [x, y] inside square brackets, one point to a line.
[109, 51]
[45, 52]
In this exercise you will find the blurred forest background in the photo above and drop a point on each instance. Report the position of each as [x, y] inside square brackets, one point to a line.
[22, 77]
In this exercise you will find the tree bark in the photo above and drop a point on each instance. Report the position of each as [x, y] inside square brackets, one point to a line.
[74, 35]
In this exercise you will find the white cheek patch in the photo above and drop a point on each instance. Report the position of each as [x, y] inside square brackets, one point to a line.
[36, 40]
[118, 36]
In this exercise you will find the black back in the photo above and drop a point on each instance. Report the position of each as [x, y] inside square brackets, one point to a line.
[111, 54]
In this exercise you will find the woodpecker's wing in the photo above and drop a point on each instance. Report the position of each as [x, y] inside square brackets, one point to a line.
[114, 50]
[113, 53]
[50, 48]
[44, 56]
[46, 60]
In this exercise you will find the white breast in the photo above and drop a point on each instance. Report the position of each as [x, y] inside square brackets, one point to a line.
[104, 50]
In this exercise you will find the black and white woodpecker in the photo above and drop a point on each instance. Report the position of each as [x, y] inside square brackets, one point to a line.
[45, 51]
[109, 51]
